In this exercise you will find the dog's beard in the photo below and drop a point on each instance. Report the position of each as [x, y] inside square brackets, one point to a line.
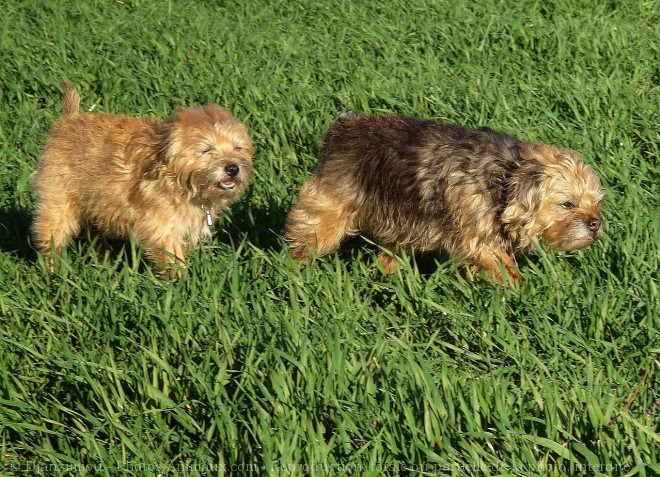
[214, 185]
[575, 235]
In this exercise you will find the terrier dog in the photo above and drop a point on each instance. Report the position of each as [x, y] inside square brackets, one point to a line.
[480, 195]
[166, 181]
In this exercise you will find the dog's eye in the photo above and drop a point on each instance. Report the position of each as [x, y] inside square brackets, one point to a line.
[206, 149]
[238, 148]
[567, 205]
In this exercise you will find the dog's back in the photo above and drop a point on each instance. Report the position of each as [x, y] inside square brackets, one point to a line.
[84, 150]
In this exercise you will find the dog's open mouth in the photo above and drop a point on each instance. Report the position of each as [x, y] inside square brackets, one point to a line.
[227, 184]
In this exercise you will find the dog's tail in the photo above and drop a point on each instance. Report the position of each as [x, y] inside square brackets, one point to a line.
[71, 99]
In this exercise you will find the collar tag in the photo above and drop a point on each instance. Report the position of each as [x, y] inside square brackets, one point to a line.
[209, 219]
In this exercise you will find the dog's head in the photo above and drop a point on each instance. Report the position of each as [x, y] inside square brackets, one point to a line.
[209, 152]
[555, 196]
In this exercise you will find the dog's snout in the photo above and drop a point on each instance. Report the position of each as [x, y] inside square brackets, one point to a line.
[232, 170]
[594, 224]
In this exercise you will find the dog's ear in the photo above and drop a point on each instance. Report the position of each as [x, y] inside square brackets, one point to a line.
[545, 154]
[217, 114]
[209, 114]
[525, 190]
[172, 134]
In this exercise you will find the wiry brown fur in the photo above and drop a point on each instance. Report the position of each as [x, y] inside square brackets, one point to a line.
[481, 195]
[117, 173]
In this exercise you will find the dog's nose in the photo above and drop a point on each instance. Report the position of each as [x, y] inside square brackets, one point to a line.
[232, 170]
[594, 224]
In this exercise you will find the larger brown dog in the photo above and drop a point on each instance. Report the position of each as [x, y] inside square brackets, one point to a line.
[479, 194]
[167, 181]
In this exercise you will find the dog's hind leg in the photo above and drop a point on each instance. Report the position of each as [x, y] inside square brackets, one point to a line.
[319, 221]
[57, 218]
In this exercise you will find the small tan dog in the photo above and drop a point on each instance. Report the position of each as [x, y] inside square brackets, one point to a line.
[166, 181]
[481, 195]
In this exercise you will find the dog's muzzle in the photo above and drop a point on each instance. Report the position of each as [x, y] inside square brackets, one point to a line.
[231, 173]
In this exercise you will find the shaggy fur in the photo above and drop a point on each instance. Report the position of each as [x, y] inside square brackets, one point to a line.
[481, 195]
[162, 180]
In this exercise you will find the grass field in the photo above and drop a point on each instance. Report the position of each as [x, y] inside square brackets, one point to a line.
[248, 367]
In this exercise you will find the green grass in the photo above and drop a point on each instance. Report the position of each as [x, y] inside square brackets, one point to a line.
[245, 364]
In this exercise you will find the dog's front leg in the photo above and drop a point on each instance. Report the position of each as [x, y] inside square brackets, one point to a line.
[494, 261]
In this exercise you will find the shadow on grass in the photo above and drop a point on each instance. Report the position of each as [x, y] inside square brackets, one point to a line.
[427, 263]
[263, 226]
[15, 240]
[15, 237]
